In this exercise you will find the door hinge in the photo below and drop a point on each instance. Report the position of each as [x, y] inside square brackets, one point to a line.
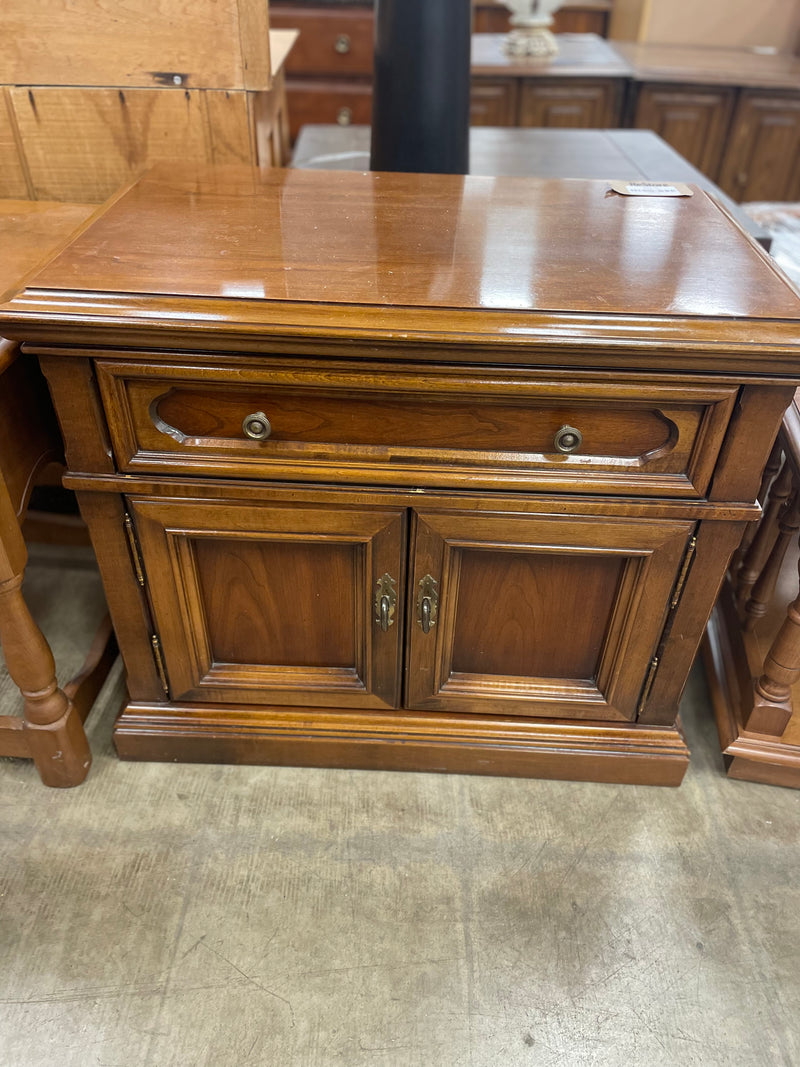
[648, 684]
[157, 656]
[684, 573]
[133, 545]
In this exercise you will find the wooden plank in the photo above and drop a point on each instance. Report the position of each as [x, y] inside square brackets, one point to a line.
[82, 144]
[13, 179]
[254, 37]
[30, 233]
[214, 44]
[230, 128]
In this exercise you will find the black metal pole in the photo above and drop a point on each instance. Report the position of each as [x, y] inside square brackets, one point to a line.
[420, 94]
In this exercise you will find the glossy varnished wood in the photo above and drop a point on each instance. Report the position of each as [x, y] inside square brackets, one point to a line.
[613, 265]
[407, 573]
[400, 426]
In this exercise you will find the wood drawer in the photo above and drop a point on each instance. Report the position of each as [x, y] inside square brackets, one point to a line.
[332, 40]
[327, 102]
[369, 424]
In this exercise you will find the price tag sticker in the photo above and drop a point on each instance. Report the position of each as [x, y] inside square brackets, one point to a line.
[651, 189]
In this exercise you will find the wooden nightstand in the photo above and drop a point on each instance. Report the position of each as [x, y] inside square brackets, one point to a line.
[412, 471]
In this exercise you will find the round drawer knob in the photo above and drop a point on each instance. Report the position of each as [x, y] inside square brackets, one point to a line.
[342, 44]
[344, 116]
[257, 426]
[568, 439]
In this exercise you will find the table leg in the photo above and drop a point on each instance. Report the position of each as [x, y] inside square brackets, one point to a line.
[52, 727]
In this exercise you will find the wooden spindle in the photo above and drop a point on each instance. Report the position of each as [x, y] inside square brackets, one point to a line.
[766, 534]
[770, 708]
[771, 469]
[53, 729]
[764, 588]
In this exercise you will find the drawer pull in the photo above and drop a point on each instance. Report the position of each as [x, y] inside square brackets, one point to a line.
[257, 426]
[344, 116]
[427, 603]
[342, 45]
[385, 601]
[568, 439]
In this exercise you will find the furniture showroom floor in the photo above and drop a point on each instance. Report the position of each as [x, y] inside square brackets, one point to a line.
[183, 915]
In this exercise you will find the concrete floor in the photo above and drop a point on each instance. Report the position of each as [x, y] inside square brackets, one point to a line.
[185, 915]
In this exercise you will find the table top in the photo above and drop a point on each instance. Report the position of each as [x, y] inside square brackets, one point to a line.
[580, 55]
[540, 153]
[711, 66]
[30, 232]
[515, 270]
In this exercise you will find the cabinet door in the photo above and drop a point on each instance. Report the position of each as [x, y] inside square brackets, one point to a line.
[694, 120]
[580, 103]
[275, 603]
[763, 157]
[493, 102]
[541, 615]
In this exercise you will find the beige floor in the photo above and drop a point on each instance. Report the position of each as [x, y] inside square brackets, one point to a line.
[190, 915]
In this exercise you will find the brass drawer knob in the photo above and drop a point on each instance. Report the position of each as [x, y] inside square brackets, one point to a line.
[344, 116]
[257, 426]
[342, 44]
[568, 439]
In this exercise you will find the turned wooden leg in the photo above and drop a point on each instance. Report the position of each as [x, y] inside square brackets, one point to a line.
[764, 588]
[54, 731]
[771, 707]
[761, 546]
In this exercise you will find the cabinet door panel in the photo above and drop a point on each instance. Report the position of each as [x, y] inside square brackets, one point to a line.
[493, 103]
[548, 616]
[579, 104]
[763, 157]
[694, 120]
[274, 603]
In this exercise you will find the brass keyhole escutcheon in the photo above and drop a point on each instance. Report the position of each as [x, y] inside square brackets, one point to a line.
[257, 426]
[568, 439]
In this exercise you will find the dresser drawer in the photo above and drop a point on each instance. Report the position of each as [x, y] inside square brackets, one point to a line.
[367, 425]
[328, 101]
[332, 40]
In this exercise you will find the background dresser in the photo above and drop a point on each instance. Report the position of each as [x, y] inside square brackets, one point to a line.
[407, 471]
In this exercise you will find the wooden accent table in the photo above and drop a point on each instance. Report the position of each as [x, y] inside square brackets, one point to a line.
[412, 471]
[50, 731]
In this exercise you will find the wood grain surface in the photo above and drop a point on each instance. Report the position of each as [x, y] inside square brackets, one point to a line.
[218, 45]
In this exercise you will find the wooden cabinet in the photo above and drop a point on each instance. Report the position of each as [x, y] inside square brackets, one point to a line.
[494, 102]
[733, 113]
[329, 72]
[584, 104]
[762, 161]
[455, 495]
[693, 119]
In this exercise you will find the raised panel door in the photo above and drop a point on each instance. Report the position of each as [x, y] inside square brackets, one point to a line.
[693, 119]
[763, 157]
[493, 102]
[552, 616]
[275, 603]
[580, 103]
